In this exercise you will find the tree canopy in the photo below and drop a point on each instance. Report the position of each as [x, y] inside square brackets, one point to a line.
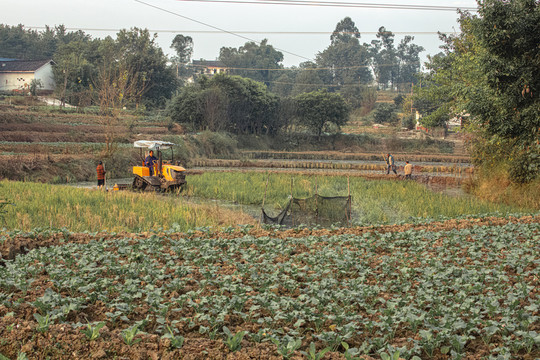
[227, 102]
[253, 60]
[490, 71]
[318, 109]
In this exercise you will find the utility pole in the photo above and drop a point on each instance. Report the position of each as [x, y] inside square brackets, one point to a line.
[412, 97]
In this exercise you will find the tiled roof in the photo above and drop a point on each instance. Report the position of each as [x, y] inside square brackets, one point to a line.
[22, 65]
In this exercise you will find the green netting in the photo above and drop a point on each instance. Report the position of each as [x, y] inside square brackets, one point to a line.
[315, 210]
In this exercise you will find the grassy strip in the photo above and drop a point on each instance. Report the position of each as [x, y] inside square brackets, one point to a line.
[373, 201]
[43, 205]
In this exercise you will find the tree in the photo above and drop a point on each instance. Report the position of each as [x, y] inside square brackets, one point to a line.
[252, 60]
[508, 35]
[507, 105]
[409, 62]
[344, 32]
[17, 42]
[139, 50]
[346, 59]
[35, 85]
[308, 79]
[435, 99]
[283, 85]
[385, 61]
[384, 113]
[227, 102]
[251, 109]
[317, 109]
[186, 108]
[74, 70]
[490, 72]
[183, 46]
[118, 83]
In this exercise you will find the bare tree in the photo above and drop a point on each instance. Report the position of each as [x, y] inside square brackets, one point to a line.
[117, 85]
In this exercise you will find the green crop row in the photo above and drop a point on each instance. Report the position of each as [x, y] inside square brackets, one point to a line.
[459, 293]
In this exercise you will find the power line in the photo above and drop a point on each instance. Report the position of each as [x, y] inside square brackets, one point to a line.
[340, 4]
[309, 69]
[216, 28]
[324, 85]
[251, 31]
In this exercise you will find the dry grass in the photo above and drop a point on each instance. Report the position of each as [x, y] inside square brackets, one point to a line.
[56, 206]
[497, 187]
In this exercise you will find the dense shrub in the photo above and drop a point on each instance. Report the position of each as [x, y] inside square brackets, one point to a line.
[385, 113]
[215, 143]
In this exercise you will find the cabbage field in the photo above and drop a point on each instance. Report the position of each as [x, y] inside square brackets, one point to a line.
[459, 289]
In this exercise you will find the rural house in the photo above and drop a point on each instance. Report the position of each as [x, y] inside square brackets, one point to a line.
[208, 68]
[16, 75]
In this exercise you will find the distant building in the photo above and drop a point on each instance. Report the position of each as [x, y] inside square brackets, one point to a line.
[458, 121]
[419, 125]
[208, 67]
[16, 75]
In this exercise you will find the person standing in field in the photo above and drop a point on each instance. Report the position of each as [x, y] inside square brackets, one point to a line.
[390, 164]
[100, 175]
[149, 162]
[408, 170]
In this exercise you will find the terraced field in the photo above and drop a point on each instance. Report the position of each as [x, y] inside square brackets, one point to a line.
[460, 289]
[47, 144]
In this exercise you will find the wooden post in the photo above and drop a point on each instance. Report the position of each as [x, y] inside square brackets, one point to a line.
[317, 199]
[265, 188]
[264, 198]
[104, 178]
[292, 216]
[349, 212]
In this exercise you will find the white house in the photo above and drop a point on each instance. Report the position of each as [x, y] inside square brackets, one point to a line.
[208, 68]
[16, 75]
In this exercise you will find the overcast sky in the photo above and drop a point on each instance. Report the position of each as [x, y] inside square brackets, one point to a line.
[285, 26]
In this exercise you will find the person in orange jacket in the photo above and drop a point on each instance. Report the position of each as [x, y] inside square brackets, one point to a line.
[100, 175]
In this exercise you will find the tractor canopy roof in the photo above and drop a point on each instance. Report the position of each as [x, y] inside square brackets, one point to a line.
[153, 144]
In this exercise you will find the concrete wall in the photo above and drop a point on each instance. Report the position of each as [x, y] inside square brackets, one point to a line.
[15, 81]
[45, 74]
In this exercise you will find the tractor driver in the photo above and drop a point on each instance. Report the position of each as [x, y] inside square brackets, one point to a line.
[149, 162]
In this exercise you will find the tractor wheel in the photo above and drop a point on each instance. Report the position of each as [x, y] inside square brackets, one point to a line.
[139, 184]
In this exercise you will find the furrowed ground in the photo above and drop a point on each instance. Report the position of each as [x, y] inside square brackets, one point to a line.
[461, 289]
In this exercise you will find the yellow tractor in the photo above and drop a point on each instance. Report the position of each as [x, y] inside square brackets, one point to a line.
[155, 173]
